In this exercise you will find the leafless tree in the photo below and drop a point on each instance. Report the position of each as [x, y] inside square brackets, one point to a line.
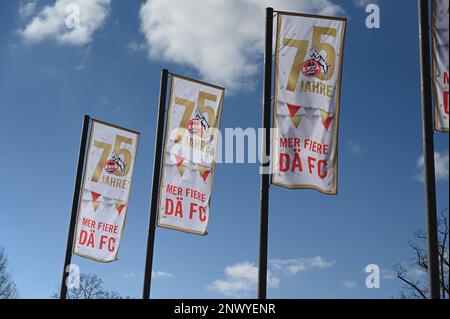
[413, 275]
[90, 287]
[8, 288]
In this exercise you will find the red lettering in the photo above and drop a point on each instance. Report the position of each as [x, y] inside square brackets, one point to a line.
[316, 147]
[102, 240]
[193, 209]
[446, 93]
[88, 222]
[284, 159]
[290, 142]
[202, 214]
[175, 190]
[322, 167]
[169, 206]
[179, 208]
[297, 163]
[111, 244]
[310, 164]
[90, 242]
[446, 102]
[83, 237]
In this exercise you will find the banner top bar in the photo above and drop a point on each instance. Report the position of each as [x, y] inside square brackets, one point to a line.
[307, 15]
[197, 81]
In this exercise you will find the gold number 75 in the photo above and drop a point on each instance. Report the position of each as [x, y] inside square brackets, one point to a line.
[189, 109]
[107, 151]
[302, 47]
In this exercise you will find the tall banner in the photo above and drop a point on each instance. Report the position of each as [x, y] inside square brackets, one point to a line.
[189, 152]
[106, 189]
[440, 63]
[308, 73]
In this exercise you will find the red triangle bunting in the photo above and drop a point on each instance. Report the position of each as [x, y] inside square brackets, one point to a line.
[95, 196]
[179, 160]
[293, 109]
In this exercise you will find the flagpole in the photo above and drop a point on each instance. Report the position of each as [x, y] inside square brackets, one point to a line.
[265, 159]
[428, 150]
[155, 185]
[75, 204]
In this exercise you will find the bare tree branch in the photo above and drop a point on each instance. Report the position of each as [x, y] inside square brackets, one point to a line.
[90, 287]
[416, 284]
[8, 288]
[412, 285]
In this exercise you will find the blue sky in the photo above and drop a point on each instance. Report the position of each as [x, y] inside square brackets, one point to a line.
[319, 245]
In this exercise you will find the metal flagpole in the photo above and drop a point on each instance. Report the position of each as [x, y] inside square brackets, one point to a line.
[265, 165]
[428, 150]
[155, 185]
[75, 203]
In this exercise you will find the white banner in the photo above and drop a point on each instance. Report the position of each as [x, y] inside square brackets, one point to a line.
[309, 52]
[189, 152]
[440, 63]
[106, 189]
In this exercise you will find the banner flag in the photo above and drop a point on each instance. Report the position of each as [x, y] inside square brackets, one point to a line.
[308, 74]
[189, 155]
[105, 192]
[440, 63]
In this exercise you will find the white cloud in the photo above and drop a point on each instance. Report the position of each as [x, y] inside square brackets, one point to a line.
[348, 284]
[117, 109]
[155, 275]
[388, 274]
[134, 46]
[416, 274]
[354, 147]
[363, 3]
[130, 275]
[161, 275]
[240, 280]
[50, 22]
[27, 9]
[440, 164]
[412, 272]
[221, 39]
[104, 101]
[296, 265]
